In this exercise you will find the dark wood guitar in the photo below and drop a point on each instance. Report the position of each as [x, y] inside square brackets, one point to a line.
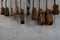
[34, 12]
[28, 7]
[41, 16]
[2, 8]
[55, 8]
[48, 16]
[6, 9]
[21, 14]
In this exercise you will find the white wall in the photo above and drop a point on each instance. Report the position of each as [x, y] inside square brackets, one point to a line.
[43, 4]
[11, 30]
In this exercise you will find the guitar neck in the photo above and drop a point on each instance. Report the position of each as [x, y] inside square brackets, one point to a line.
[11, 9]
[10, 3]
[20, 4]
[1, 3]
[5, 3]
[16, 3]
[39, 4]
[54, 2]
[46, 4]
[28, 3]
[33, 3]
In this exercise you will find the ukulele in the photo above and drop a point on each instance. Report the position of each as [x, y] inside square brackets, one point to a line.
[41, 15]
[28, 7]
[16, 8]
[55, 8]
[6, 9]
[21, 14]
[34, 12]
[11, 9]
[2, 8]
[48, 16]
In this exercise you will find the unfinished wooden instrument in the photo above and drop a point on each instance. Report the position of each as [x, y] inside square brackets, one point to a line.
[41, 16]
[28, 7]
[34, 12]
[55, 8]
[21, 14]
[2, 8]
[6, 9]
[48, 16]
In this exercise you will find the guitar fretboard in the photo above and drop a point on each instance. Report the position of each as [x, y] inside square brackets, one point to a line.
[10, 3]
[46, 4]
[28, 2]
[1, 3]
[5, 3]
[33, 3]
[20, 4]
[15, 2]
[39, 4]
[54, 2]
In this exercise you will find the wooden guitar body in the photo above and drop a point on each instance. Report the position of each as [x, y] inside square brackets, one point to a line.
[6, 11]
[17, 10]
[22, 16]
[34, 14]
[2, 11]
[48, 17]
[55, 9]
[41, 19]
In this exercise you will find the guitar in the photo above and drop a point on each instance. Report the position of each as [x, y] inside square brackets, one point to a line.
[11, 9]
[21, 14]
[55, 8]
[34, 12]
[16, 8]
[48, 16]
[28, 7]
[6, 9]
[41, 16]
[2, 8]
